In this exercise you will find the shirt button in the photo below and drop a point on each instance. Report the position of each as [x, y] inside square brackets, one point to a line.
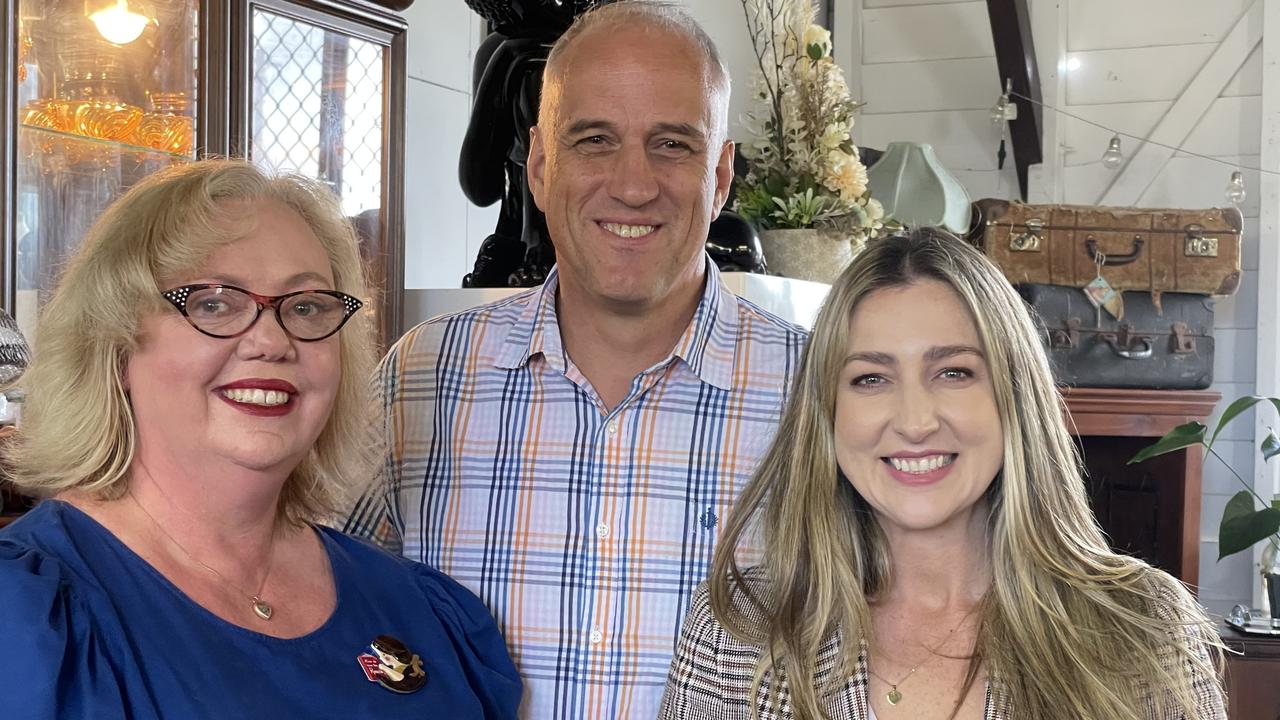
[613, 427]
[602, 531]
[596, 636]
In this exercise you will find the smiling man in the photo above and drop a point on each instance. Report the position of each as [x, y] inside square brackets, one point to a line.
[569, 453]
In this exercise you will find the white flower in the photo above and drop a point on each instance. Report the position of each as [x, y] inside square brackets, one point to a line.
[850, 180]
[875, 210]
[833, 136]
[817, 35]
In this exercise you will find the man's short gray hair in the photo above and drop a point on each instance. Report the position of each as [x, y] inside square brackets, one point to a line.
[659, 14]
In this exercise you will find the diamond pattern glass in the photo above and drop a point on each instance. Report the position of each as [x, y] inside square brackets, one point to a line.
[318, 106]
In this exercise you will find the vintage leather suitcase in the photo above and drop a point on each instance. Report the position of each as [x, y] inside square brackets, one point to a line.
[1164, 342]
[1187, 251]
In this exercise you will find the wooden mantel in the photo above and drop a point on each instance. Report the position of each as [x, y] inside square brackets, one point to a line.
[1136, 413]
[1153, 506]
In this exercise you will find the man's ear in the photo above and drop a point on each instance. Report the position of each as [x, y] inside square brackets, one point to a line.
[724, 177]
[535, 166]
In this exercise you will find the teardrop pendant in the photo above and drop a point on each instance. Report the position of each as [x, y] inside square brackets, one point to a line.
[262, 609]
[894, 697]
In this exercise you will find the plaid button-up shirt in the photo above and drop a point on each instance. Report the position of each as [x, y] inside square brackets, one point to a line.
[585, 530]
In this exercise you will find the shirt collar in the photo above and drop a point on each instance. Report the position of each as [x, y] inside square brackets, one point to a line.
[707, 344]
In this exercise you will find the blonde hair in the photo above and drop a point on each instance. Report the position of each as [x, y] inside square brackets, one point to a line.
[78, 429]
[1065, 616]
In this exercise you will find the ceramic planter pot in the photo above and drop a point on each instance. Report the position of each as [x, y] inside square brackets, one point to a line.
[808, 254]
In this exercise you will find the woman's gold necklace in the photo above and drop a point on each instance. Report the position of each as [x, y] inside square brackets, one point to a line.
[894, 696]
[261, 608]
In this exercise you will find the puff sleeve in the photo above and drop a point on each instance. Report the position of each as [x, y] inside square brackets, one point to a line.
[53, 662]
[480, 648]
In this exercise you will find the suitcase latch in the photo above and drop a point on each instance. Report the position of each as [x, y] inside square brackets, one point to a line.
[1197, 245]
[1127, 344]
[1182, 342]
[1065, 338]
[1028, 241]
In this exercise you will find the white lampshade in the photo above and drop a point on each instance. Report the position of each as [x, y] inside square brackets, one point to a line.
[916, 190]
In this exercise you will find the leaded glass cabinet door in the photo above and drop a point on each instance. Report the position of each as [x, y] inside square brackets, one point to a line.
[98, 94]
[325, 99]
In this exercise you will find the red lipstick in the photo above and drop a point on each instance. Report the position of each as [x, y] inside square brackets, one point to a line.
[264, 384]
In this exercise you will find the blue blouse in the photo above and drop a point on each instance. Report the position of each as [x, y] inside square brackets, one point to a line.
[89, 629]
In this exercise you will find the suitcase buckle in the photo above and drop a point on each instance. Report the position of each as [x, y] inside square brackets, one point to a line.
[1028, 241]
[1128, 345]
[1182, 342]
[1067, 337]
[1197, 245]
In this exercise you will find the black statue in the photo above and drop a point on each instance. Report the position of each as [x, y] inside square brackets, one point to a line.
[507, 81]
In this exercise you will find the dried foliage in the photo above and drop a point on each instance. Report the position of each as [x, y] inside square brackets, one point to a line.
[804, 169]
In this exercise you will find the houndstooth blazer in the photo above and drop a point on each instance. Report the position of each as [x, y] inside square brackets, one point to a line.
[710, 677]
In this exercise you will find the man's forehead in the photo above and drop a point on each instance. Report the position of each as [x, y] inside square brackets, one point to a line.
[645, 93]
[641, 77]
[617, 48]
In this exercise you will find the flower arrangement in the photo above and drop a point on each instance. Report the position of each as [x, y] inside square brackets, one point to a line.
[803, 168]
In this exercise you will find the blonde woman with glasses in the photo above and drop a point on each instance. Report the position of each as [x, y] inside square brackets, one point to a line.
[199, 400]
[929, 549]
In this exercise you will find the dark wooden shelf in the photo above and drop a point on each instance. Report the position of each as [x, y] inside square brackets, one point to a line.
[1253, 675]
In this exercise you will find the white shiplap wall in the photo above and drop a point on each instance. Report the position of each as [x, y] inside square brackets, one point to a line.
[926, 69]
[443, 230]
[1132, 69]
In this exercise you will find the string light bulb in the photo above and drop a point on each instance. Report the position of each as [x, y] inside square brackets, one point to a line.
[118, 24]
[998, 111]
[1235, 189]
[1113, 156]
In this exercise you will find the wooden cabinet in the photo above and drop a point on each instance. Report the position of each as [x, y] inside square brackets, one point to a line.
[1253, 675]
[1152, 509]
[92, 103]
[12, 505]
[88, 107]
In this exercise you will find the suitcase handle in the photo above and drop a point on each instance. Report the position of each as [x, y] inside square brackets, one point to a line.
[1091, 249]
[1142, 353]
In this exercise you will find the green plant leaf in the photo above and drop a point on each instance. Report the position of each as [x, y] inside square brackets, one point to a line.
[1240, 405]
[1242, 525]
[1191, 433]
[815, 52]
[1270, 445]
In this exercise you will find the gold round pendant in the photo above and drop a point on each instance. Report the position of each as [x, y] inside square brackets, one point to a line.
[894, 697]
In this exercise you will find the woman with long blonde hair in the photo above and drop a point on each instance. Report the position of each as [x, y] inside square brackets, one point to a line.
[929, 551]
